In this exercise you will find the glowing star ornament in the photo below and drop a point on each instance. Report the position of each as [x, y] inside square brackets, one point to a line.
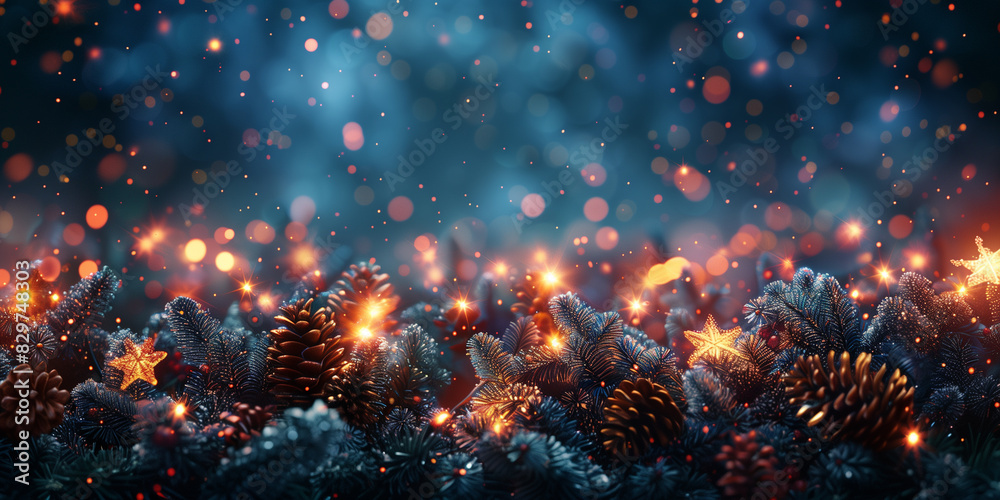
[138, 361]
[985, 269]
[711, 343]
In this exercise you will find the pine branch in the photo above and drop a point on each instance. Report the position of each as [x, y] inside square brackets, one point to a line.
[817, 312]
[106, 415]
[194, 329]
[85, 303]
[415, 371]
[281, 461]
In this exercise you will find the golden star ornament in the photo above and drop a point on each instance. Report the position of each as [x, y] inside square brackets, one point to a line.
[985, 269]
[712, 343]
[138, 362]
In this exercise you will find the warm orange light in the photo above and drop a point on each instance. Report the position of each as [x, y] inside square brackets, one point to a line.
[225, 261]
[195, 250]
[64, 7]
[913, 438]
[365, 333]
[441, 418]
[215, 45]
[179, 410]
[461, 304]
[551, 278]
[501, 268]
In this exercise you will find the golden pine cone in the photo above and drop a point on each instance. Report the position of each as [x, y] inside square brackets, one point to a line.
[363, 299]
[748, 464]
[639, 414]
[305, 353]
[859, 405]
[46, 409]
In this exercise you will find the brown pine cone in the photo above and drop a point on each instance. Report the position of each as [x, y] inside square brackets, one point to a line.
[364, 299]
[305, 353]
[858, 405]
[640, 414]
[46, 409]
[750, 469]
[243, 423]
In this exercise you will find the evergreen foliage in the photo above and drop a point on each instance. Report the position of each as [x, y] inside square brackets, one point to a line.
[531, 427]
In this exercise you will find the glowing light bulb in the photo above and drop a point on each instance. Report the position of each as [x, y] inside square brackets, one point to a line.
[441, 418]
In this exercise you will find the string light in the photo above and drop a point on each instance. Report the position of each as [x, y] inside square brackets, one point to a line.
[441, 418]
[551, 278]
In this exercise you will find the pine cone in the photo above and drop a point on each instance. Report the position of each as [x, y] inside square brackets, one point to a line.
[243, 423]
[305, 353]
[749, 466]
[640, 414]
[859, 406]
[46, 409]
[364, 299]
